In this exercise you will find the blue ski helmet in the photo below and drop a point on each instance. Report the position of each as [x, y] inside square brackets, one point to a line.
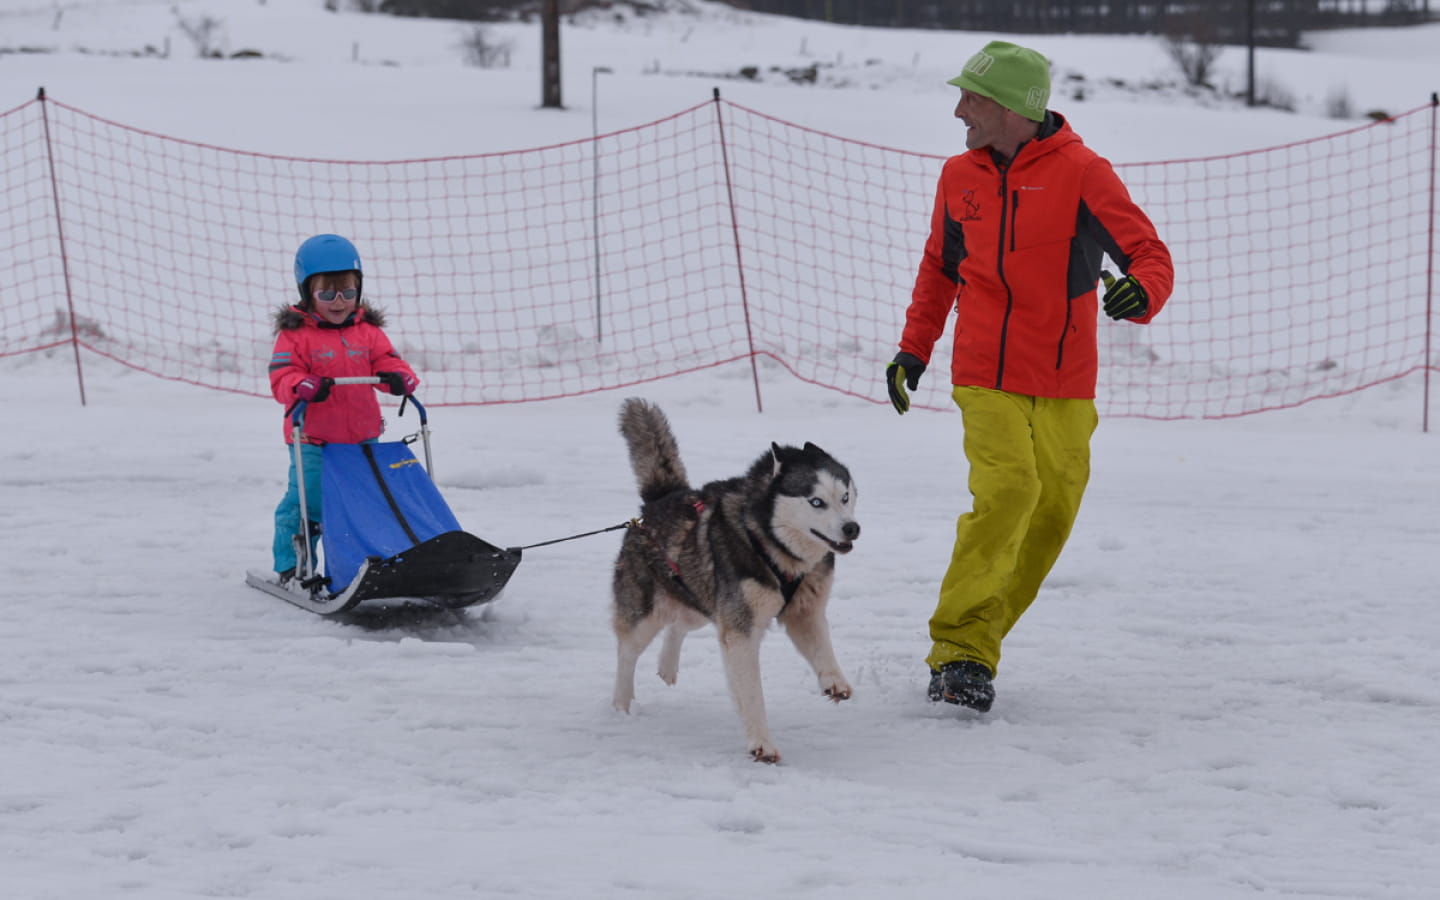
[325, 253]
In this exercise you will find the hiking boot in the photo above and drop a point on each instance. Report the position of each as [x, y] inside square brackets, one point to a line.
[283, 578]
[965, 683]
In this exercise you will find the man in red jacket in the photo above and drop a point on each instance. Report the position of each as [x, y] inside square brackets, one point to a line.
[1016, 237]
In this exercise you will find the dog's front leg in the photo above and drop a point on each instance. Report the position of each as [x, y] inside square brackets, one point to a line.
[741, 652]
[631, 641]
[669, 669]
[682, 622]
[809, 631]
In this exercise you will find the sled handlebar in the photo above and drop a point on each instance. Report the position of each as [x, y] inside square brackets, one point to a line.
[297, 411]
[371, 379]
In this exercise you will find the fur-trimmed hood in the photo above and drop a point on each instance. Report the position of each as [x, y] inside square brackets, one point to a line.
[289, 318]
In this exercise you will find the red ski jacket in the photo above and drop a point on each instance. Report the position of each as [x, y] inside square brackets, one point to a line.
[1017, 253]
[308, 345]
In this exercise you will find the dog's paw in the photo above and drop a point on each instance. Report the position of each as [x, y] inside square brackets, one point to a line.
[668, 675]
[765, 753]
[836, 689]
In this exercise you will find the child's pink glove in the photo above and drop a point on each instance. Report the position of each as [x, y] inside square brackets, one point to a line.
[313, 388]
[401, 384]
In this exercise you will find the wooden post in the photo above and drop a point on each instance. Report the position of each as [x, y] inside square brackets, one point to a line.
[550, 55]
[60, 239]
[1250, 53]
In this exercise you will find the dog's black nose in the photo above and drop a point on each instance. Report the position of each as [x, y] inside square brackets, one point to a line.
[851, 530]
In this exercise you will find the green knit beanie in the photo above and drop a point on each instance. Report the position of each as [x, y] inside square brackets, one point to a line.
[1015, 77]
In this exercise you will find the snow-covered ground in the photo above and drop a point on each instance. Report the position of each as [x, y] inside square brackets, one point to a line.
[1228, 688]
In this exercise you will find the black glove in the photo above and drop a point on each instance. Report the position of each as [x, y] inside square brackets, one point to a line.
[398, 383]
[313, 388]
[904, 369]
[1126, 298]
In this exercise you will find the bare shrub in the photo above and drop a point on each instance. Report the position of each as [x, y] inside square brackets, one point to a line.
[1194, 59]
[1271, 93]
[64, 325]
[204, 32]
[1193, 43]
[1338, 104]
[483, 50]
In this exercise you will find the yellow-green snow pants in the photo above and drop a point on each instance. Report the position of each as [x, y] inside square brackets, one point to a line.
[1029, 464]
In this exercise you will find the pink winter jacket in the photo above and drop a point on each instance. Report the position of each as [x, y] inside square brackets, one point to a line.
[307, 345]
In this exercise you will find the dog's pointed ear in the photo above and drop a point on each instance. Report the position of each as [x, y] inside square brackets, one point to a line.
[811, 448]
[775, 458]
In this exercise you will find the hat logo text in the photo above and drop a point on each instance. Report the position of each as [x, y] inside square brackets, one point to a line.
[980, 63]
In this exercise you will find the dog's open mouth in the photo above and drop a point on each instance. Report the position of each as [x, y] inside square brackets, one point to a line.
[842, 547]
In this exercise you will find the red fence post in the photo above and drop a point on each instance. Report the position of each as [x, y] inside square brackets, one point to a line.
[1430, 266]
[739, 260]
[64, 260]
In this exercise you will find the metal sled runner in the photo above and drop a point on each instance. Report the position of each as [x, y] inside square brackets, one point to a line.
[386, 532]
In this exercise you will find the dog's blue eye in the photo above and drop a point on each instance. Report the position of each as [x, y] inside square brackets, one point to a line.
[817, 503]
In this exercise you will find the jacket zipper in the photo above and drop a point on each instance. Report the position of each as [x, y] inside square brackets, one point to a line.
[1005, 218]
[1014, 217]
[1060, 352]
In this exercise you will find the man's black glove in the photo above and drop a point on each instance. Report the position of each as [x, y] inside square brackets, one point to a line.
[398, 383]
[1126, 298]
[904, 369]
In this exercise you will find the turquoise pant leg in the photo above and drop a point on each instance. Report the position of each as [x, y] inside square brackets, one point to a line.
[287, 514]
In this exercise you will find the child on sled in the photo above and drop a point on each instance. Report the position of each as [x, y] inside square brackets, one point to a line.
[329, 334]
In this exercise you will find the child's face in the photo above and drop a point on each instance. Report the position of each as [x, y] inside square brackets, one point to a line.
[337, 309]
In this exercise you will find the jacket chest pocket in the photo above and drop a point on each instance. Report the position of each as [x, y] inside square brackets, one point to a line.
[1033, 222]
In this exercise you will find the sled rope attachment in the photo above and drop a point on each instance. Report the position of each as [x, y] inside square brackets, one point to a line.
[573, 537]
[638, 525]
[629, 523]
[676, 577]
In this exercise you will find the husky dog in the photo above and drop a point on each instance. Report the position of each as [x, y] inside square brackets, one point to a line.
[738, 553]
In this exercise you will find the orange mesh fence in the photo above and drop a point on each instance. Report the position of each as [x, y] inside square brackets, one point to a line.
[711, 237]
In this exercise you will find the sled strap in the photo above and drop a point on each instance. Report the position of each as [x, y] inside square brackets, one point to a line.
[676, 578]
[369, 452]
[575, 536]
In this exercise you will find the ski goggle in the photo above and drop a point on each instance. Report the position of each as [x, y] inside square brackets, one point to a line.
[328, 294]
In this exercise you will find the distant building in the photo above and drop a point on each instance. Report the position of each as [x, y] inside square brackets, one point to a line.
[1276, 22]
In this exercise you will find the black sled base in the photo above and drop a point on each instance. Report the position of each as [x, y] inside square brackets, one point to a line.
[452, 570]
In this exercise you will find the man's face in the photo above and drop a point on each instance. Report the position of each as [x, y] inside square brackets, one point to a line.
[984, 118]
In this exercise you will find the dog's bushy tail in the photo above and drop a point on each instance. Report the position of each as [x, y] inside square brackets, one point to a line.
[653, 452]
